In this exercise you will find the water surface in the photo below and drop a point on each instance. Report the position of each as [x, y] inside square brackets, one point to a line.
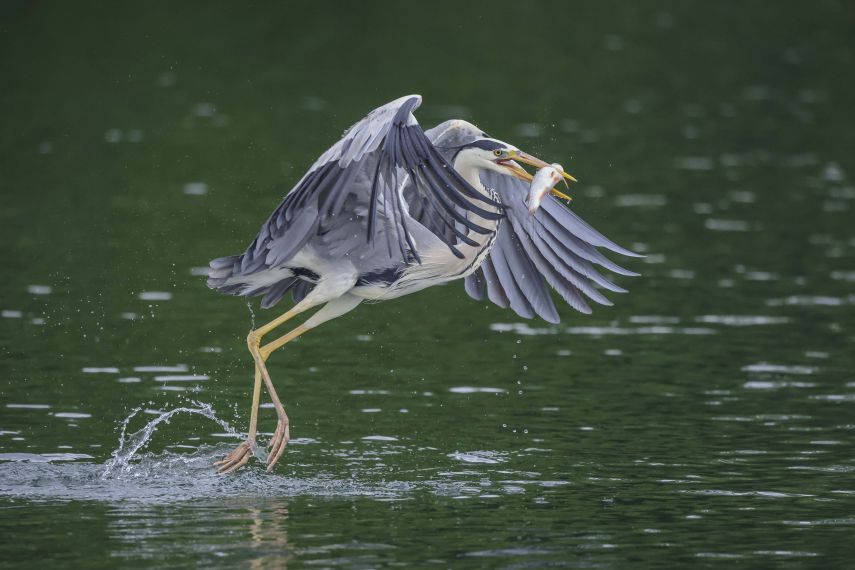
[706, 420]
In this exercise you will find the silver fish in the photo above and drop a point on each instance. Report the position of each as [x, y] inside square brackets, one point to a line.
[542, 183]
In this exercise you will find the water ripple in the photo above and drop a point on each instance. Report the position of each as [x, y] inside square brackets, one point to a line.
[766, 368]
[742, 320]
[476, 390]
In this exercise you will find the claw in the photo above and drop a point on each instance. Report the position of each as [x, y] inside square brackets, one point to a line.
[277, 445]
[236, 459]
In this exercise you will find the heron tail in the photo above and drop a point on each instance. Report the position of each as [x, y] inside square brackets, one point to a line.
[225, 277]
[221, 269]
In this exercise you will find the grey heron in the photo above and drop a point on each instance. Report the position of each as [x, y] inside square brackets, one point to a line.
[391, 209]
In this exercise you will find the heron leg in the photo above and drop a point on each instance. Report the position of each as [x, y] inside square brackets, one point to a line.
[241, 454]
[331, 310]
[283, 433]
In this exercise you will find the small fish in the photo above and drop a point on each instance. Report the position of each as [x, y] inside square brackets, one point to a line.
[542, 184]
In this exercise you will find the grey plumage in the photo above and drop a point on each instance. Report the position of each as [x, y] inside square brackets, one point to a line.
[559, 244]
[554, 246]
[370, 163]
[387, 190]
[391, 209]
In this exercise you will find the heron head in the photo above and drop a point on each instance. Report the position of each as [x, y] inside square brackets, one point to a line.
[504, 158]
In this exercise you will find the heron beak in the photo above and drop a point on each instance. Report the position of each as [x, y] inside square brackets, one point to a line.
[534, 161]
[517, 171]
[559, 194]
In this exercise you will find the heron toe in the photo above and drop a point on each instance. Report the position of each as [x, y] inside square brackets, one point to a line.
[236, 459]
[278, 443]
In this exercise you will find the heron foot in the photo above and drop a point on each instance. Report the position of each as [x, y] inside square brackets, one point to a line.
[237, 458]
[280, 439]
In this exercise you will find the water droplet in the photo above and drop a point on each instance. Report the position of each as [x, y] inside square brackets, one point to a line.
[195, 188]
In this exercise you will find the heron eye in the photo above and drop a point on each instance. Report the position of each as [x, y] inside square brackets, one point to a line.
[497, 152]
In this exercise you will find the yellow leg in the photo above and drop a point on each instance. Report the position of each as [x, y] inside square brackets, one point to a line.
[281, 341]
[331, 309]
[256, 400]
[240, 456]
[283, 433]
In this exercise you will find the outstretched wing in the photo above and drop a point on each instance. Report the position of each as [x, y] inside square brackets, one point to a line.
[552, 247]
[372, 161]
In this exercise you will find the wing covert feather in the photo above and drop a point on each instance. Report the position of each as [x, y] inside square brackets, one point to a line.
[372, 161]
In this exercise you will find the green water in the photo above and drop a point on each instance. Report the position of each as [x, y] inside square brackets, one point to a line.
[706, 420]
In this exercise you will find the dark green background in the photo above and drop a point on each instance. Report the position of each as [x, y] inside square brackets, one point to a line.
[715, 137]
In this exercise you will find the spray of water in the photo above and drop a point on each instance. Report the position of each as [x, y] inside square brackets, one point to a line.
[251, 314]
[130, 445]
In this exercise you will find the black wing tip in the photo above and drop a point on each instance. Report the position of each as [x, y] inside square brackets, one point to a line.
[413, 101]
[406, 109]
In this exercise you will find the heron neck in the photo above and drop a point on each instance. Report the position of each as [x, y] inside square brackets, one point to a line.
[443, 264]
[471, 174]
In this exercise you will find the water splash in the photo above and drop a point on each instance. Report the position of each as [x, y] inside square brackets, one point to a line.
[130, 445]
[251, 314]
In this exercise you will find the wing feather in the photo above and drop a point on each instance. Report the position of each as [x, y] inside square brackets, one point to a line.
[370, 161]
[476, 286]
[554, 242]
[494, 287]
[529, 280]
[509, 284]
